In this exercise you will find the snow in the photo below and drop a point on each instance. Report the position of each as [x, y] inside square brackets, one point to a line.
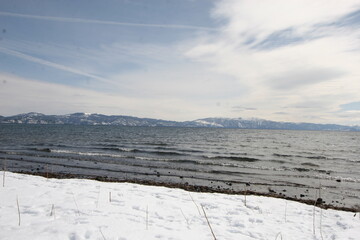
[81, 209]
[206, 123]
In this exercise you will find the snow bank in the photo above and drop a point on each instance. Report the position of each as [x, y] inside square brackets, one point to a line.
[83, 209]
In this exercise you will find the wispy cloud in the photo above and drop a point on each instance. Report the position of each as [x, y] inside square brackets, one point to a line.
[92, 21]
[52, 64]
[51, 98]
[286, 52]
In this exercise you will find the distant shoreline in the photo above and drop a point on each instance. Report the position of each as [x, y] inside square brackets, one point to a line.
[210, 122]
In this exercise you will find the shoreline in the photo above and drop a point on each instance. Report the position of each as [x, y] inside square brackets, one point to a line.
[191, 188]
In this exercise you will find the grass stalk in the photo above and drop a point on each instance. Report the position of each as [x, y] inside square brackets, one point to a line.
[77, 207]
[4, 178]
[195, 204]
[207, 220]
[245, 194]
[52, 212]
[18, 208]
[109, 196]
[321, 224]
[187, 221]
[98, 196]
[4, 170]
[279, 234]
[147, 217]
[314, 213]
[285, 210]
[102, 234]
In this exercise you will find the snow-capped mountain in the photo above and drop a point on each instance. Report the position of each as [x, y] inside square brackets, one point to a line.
[100, 119]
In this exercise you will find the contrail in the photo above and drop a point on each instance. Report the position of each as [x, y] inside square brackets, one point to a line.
[81, 20]
[52, 64]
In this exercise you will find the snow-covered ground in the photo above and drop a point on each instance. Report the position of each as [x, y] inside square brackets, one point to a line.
[81, 209]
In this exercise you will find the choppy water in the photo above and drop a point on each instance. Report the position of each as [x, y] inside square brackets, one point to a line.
[294, 163]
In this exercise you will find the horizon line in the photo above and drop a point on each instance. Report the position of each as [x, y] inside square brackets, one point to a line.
[246, 119]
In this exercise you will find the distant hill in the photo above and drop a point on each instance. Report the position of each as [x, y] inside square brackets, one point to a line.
[100, 119]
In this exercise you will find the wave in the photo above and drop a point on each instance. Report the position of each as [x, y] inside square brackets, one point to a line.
[310, 164]
[316, 157]
[156, 144]
[340, 178]
[282, 155]
[181, 150]
[145, 151]
[186, 161]
[87, 153]
[41, 149]
[234, 158]
[302, 169]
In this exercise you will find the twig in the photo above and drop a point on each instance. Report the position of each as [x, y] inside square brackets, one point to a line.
[246, 184]
[279, 234]
[52, 212]
[321, 224]
[109, 196]
[147, 217]
[97, 200]
[285, 209]
[4, 169]
[77, 207]
[18, 208]
[212, 232]
[195, 204]
[314, 214]
[102, 233]
[187, 221]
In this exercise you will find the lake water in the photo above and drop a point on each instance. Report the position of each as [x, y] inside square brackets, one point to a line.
[293, 163]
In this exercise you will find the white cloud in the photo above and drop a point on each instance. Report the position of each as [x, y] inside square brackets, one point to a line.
[257, 19]
[19, 95]
[321, 64]
[279, 60]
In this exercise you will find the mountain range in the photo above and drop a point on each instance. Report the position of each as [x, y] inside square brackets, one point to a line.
[100, 119]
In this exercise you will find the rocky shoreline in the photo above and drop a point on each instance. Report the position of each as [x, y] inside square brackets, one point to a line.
[195, 188]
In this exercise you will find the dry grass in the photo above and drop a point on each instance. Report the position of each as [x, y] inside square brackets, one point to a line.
[207, 220]
[4, 170]
[147, 217]
[77, 207]
[277, 235]
[98, 196]
[18, 208]
[285, 210]
[195, 204]
[187, 221]
[102, 234]
[52, 212]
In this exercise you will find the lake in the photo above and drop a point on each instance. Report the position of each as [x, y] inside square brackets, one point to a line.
[296, 164]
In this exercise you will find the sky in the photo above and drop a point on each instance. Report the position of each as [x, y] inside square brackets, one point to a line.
[279, 60]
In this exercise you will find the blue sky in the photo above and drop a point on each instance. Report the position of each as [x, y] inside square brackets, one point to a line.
[182, 60]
